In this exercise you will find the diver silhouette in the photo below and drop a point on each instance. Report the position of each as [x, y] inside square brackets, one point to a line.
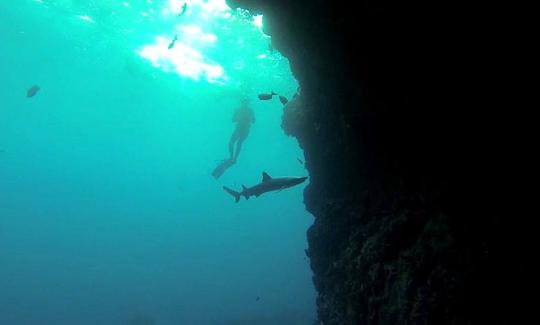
[243, 117]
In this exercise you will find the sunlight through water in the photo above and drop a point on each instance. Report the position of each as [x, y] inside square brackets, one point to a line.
[200, 40]
[184, 54]
[115, 115]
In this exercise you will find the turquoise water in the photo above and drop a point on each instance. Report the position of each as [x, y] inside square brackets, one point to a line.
[108, 210]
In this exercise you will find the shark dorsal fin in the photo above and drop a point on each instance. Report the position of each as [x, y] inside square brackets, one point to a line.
[244, 187]
[266, 177]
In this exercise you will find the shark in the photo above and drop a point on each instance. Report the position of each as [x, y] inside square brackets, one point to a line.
[267, 184]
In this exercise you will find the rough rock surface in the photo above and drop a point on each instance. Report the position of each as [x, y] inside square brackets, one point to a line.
[386, 125]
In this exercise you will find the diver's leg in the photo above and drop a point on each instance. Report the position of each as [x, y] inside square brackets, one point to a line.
[238, 148]
[234, 136]
[241, 133]
[241, 137]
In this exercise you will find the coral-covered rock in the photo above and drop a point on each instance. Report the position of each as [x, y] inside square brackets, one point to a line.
[384, 120]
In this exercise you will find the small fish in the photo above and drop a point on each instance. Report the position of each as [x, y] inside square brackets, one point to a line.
[283, 99]
[32, 91]
[171, 45]
[258, 298]
[184, 8]
[266, 96]
[300, 161]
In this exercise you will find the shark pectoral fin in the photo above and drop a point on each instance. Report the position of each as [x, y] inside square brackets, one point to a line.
[265, 177]
[281, 189]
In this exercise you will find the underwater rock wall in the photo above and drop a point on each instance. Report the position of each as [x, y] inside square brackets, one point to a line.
[387, 133]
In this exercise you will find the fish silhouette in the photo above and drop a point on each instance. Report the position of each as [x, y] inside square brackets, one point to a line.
[184, 8]
[266, 96]
[171, 45]
[32, 91]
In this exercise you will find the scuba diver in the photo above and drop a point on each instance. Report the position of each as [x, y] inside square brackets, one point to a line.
[243, 117]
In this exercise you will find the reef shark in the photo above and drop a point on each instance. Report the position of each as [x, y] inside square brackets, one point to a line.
[268, 184]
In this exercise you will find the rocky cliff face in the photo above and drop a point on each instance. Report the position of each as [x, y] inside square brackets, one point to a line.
[387, 128]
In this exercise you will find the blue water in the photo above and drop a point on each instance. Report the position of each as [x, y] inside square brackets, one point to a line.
[108, 211]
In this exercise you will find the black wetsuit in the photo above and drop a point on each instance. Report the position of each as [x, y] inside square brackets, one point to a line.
[243, 117]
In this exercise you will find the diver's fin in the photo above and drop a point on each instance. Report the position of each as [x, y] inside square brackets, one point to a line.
[221, 168]
[233, 193]
[266, 177]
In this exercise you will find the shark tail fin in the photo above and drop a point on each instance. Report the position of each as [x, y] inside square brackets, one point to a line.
[233, 193]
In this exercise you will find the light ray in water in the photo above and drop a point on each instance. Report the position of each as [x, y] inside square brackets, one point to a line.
[183, 59]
